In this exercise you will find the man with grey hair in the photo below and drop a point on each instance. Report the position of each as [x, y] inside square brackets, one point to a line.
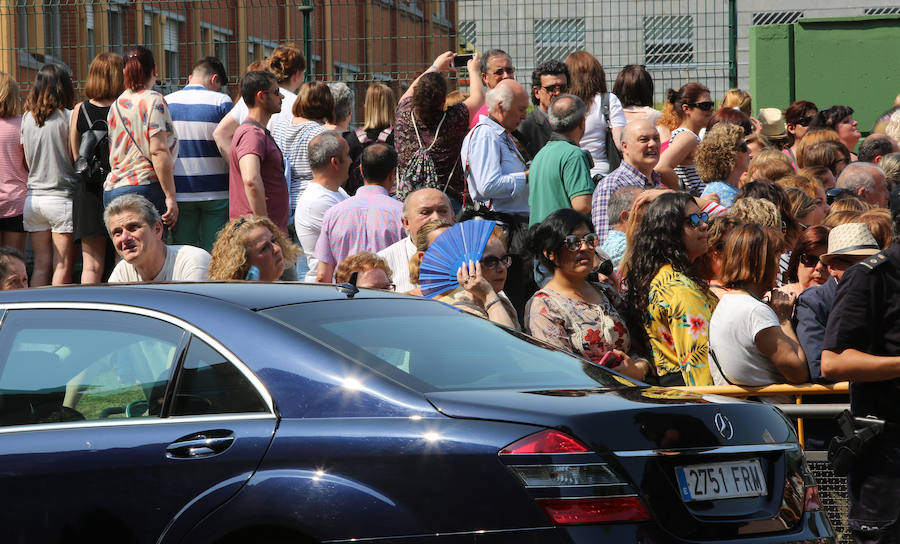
[866, 181]
[617, 212]
[496, 172]
[560, 175]
[329, 160]
[496, 66]
[420, 207]
[136, 231]
[876, 146]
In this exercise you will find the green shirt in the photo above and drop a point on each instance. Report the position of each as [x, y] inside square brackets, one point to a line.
[559, 172]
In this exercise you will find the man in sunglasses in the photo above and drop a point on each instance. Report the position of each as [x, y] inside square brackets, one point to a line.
[560, 175]
[496, 66]
[548, 80]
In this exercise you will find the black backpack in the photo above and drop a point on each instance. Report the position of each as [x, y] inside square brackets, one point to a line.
[88, 166]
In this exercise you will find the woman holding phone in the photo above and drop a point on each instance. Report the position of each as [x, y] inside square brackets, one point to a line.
[571, 312]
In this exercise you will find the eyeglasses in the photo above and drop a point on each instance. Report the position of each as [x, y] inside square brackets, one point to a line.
[804, 121]
[556, 88]
[742, 148]
[705, 106]
[696, 219]
[271, 91]
[835, 193]
[494, 263]
[573, 243]
[809, 260]
[500, 71]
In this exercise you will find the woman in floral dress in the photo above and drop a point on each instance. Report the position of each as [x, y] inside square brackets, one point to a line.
[571, 312]
[670, 296]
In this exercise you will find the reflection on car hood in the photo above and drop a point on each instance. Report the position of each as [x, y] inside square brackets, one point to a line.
[627, 418]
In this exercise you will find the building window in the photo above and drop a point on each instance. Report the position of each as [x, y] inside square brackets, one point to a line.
[776, 17]
[90, 31]
[114, 20]
[22, 15]
[556, 38]
[669, 40]
[52, 28]
[220, 48]
[148, 30]
[170, 47]
[441, 13]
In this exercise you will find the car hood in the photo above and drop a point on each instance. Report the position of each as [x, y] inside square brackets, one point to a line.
[627, 418]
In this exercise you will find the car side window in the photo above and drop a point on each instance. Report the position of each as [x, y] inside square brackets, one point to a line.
[71, 365]
[210, 384]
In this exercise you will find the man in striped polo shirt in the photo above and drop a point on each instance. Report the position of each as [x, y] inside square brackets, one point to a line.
[201, 174]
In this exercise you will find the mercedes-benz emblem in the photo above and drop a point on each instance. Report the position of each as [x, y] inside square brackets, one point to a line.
[723, 425]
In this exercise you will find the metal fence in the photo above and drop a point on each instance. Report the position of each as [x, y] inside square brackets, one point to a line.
[360, 41]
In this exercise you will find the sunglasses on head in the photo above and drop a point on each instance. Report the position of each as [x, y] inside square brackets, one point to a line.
[836, 193]
[809, 260]
[494, 263]
[573, 243]
[696, 219]
[705, 106]
[556, 88]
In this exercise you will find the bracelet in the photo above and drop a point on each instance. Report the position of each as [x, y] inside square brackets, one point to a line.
[436, 69]
[491, 303]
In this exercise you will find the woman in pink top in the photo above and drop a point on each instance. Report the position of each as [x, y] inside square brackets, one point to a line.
[13, 174]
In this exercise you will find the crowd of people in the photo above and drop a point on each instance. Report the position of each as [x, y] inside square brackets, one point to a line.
[688, 246]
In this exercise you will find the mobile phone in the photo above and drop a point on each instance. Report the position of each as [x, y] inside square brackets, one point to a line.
[461, 61]
[610, 360]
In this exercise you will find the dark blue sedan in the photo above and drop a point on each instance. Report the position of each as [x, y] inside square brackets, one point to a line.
[273, 413]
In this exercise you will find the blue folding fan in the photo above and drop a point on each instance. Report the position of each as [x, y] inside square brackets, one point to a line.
[460, 243]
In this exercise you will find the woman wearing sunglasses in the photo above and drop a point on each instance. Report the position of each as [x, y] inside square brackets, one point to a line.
[798, 117]
[570, 311]
[687, 111]
[804, 267]
[667, 291]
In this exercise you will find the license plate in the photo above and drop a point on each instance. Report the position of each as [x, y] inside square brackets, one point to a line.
[721, 480]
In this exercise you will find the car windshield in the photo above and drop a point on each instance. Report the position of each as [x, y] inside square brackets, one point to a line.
[433, 347]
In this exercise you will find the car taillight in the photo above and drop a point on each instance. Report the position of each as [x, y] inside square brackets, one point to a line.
[548, 441]
[577, 487]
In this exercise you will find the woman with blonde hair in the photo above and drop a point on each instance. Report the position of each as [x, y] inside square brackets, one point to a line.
[739, 100]
[811, 138]
[687, 111]
[722, 158]
[48, 207]
[589, 84]
[372, 271]
[378, 126]
[770, 165]
[251, 248]
[13, 172]
[104, 84]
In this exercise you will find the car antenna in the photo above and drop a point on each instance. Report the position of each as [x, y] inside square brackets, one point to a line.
[349, 288]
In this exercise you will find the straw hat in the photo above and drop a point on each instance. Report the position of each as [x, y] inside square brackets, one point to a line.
[772, 121]
[850, 239]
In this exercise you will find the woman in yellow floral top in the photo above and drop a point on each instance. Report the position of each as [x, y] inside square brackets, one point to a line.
[674, 301]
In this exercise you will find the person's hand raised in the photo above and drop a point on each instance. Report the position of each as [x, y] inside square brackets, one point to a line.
[444, 60]
[470, 278]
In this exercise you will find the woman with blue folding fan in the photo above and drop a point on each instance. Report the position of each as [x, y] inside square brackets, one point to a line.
[465, 266]
[570, 311]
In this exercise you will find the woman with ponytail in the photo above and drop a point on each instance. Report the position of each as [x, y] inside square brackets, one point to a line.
[51, 175]
[142, 140]
[687, 111]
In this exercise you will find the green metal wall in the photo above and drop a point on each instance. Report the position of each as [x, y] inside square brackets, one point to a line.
[845, 60]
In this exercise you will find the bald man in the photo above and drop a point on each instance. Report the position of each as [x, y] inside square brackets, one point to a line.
[640, 153]
[497, 174]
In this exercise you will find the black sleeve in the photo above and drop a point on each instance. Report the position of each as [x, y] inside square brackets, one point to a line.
[851, 317]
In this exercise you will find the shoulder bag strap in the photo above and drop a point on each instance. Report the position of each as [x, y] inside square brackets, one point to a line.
[125, 126]
[604, 104]
[87, 116]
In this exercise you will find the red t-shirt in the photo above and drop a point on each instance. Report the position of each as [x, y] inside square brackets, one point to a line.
[252, 138]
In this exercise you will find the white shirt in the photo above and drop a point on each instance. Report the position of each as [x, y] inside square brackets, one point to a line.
[397, 256]
[311, 208]
[594, 139]
[496, 170]
[239, 112]
[183, 263]
[735, 322]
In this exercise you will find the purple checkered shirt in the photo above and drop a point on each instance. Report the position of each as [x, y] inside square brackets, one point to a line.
[623, 176]
[367, 221]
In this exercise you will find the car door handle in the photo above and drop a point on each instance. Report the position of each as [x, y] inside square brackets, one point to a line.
[200, 445]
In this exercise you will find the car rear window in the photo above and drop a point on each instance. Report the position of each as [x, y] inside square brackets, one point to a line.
[430, 346]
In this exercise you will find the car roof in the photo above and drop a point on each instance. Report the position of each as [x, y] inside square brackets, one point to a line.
[250, 295]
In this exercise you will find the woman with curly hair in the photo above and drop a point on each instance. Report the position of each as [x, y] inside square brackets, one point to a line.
[372, 271]
[839, 119]
[722, 158]
[687, 111]
[589, 84]
[251, 248]
[51, 175]
[671, 298]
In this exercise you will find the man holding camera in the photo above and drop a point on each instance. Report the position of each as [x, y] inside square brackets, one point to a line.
[862, 344]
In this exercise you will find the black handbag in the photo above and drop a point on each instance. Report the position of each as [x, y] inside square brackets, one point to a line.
[857, 434]
[613, 157]
[88, 166]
